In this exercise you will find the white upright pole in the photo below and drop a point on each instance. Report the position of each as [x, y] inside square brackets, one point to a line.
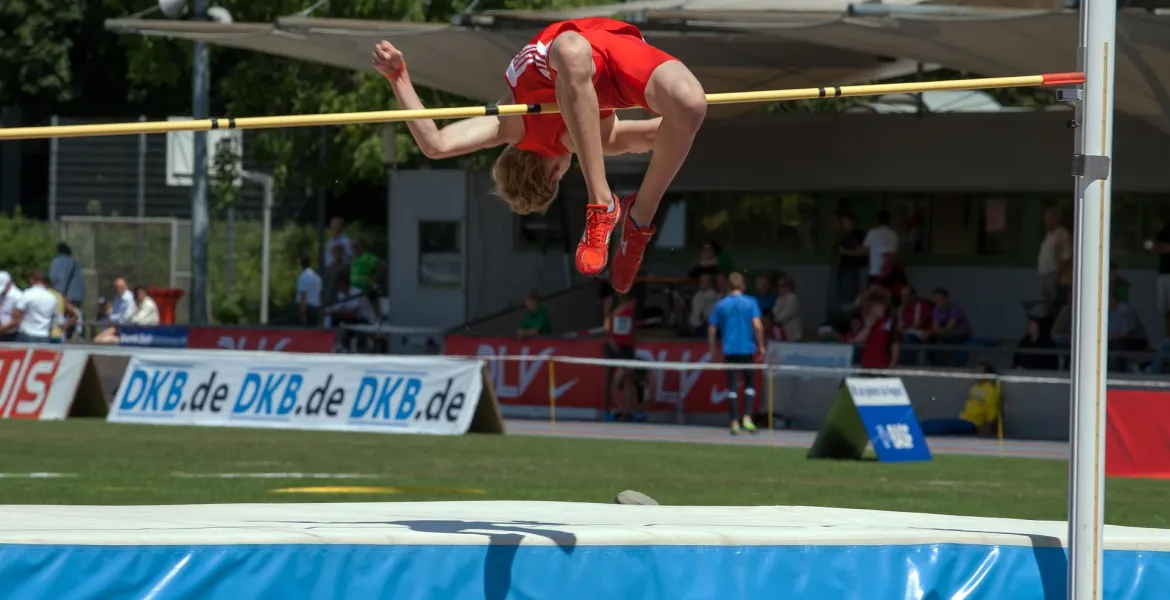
[266, 250]
[1094, 147]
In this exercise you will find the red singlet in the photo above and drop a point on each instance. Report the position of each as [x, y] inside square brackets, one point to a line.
[622, 61]
[622, 331]
[875, 352]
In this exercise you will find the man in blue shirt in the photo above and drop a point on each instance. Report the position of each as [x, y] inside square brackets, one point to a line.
[735, 321]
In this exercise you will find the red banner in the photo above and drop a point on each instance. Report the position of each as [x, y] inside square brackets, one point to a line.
[26, 378]
[526, 382]
[271, 340]
[582, 386]
[1137, 426]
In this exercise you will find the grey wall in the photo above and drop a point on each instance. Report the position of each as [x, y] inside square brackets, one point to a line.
[1016, 152]
[424, 196]
[500, 273]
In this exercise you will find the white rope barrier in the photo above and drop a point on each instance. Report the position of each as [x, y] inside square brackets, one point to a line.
[806, 370]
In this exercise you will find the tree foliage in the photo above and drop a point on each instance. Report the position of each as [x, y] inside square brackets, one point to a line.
[34, 50]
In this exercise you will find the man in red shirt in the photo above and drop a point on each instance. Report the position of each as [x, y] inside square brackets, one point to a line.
[880, 345]
[587, 67]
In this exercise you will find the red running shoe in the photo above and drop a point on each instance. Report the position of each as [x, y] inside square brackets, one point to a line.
[631, 248]
[593, 249]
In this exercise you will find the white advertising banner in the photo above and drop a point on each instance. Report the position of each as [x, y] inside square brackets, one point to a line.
[427, 395]
[38, 382]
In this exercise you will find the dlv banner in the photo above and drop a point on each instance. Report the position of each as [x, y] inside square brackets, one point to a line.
[876, 411]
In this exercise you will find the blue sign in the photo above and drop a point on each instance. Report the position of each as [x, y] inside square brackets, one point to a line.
[873, 411]
[166, 336]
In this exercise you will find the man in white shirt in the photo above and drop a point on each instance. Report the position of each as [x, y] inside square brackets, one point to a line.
[1054, 257]
[9, 294]
[124, 305]
[146, 310]
[36, 311]
[308, 293]
[880, 239]
[338, 238]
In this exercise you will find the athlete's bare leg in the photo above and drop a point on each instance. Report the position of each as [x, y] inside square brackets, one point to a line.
[674, 93]
[571, 56]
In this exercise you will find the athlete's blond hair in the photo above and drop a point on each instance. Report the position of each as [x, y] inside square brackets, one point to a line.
[523, 182]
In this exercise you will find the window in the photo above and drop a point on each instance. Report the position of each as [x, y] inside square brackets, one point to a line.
[440, 254]
[910, 217]
[782, 223]
[1137, 218]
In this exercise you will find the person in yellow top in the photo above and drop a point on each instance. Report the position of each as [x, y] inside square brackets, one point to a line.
[980, 416]
[65, 319]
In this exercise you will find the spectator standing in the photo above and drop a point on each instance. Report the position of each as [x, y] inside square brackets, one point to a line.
[69, 317]
[879, 335]
[145, 311]
[124, 305]
[703, 303]
[536, 320]
[736, 331]
[712, 260]
[66, 277]
[786, 311]
[850, 265]
[338, 239]
[879, 240]
[9, 295]
[1054, 258]
[36, 311]
[1035, 339]
[367, 269]
[308, 293]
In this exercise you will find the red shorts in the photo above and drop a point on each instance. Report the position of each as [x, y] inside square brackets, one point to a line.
[622, 65]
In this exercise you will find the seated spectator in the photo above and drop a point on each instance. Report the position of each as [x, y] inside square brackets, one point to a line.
[915, 320]
[9, 295]
[1126, 332]
[122, 312]
[1036, 338]
[350, 307]
[916, 315]
[146, 312]
[786, 311]
[712, 260]
[772, 331]
[981, 414]
[892, 276]
[949, 326]
[1118, 283]
[536, 321]
[702, 304]
[1062, 324]
[765, 294]
[721, 284]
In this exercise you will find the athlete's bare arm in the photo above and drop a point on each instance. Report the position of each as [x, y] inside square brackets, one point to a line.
[462, 137]
[629, 137]
[622, 137]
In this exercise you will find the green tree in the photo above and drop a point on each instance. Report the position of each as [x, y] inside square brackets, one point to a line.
[34, 50]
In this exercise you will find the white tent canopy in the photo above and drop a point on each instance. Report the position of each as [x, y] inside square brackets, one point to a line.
[789, 49]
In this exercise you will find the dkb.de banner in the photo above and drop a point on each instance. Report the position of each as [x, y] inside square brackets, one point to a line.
[432, 395]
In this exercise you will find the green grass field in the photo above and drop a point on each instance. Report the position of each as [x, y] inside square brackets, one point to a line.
[141, 464]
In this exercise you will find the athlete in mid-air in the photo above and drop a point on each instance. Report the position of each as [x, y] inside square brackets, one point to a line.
[587, 67]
